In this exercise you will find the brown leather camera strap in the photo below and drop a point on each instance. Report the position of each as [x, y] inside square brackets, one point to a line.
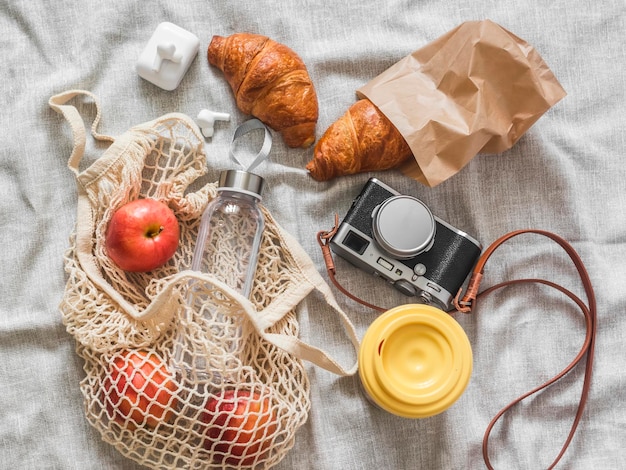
[323, 237]
[465, 305]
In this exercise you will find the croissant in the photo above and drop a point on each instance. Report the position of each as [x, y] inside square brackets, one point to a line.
[363, 139]
[270, 82]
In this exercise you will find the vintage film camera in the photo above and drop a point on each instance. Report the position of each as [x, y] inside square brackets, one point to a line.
[397, 238]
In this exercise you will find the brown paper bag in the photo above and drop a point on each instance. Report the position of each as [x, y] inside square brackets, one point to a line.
[476, 89]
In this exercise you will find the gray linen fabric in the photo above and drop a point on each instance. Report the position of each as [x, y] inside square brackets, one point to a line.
[565, 175]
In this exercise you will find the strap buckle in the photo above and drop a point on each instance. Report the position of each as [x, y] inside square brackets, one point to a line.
[464, 305]
[323, 237]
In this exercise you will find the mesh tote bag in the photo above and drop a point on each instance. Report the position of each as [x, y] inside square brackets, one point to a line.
[242, 408]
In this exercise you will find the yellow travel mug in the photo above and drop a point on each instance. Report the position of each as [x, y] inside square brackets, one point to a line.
[415, 361]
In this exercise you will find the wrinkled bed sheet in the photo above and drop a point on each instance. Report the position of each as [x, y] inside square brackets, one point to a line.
[566, 175]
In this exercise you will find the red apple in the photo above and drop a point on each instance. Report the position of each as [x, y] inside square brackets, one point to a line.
[241, 426]
[142, 235]
[139, 390]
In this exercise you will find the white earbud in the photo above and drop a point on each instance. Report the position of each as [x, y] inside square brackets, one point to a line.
[206, 120]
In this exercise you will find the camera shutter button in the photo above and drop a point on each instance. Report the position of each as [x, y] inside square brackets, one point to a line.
[419, 269]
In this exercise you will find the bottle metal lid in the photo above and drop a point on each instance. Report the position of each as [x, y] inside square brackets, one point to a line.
[415, 361]
[244, 181]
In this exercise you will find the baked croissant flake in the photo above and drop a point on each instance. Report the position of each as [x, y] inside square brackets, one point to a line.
[361, 140]
[270, 82]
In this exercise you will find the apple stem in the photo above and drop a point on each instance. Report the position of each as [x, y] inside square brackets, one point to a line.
[153, 233]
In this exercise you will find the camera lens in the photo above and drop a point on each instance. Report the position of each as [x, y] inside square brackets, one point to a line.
[403, 226]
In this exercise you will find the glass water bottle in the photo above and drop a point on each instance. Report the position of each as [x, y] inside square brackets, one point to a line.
[227, 247]
[230, 231]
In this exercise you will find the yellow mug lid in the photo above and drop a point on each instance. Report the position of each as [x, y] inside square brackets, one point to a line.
[415, 361]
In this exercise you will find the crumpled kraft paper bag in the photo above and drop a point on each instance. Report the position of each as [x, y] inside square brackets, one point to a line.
[476, 89]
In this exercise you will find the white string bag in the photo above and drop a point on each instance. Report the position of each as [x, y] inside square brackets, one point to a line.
[244, 408]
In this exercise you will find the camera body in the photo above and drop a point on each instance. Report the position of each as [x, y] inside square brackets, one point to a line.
[397, 238]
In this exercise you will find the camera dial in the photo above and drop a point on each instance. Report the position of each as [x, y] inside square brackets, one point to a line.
[403, 226]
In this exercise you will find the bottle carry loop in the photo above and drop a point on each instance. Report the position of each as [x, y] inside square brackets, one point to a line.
[465, 303]
[246, 127]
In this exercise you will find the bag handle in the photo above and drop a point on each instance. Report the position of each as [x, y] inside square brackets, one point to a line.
[73, 117]
[290, 298]
[84, 214]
